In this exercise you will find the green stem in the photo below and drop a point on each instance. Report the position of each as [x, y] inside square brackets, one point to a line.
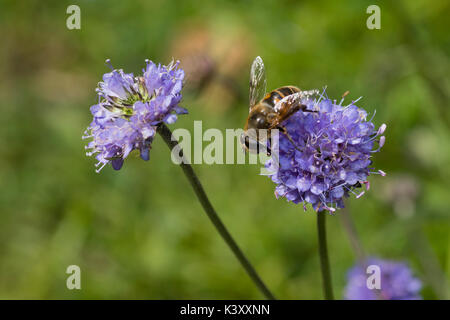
[323, 252]
[353, 236]
[166, 134]
[355, 242]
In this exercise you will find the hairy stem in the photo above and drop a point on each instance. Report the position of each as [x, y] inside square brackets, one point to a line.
[353, 236]
[355, 242]
[166, 134]
[323, 253]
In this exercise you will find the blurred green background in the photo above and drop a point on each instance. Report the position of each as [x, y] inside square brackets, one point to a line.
[139, 232]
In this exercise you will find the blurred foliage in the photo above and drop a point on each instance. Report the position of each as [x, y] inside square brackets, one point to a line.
[140, 233]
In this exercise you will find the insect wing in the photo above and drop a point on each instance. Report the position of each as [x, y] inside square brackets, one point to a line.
[257, 81]
[296, 99]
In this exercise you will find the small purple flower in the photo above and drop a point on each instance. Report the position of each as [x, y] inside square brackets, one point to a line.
[327, 154]
[396, 282]
[129, 109]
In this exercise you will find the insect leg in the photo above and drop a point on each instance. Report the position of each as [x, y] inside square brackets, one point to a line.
[303, 108]
[269, 149]
[283, 130]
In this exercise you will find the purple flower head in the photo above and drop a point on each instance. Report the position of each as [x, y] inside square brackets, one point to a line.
[396, 282]
[129, 109]
[325, 155]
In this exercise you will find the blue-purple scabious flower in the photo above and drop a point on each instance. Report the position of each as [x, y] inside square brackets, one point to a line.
[396, 282]
[129, 109]
[325, 155]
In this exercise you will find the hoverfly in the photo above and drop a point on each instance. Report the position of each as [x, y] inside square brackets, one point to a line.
[267, 111]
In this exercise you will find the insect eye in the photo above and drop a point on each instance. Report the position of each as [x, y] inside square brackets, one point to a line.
[259, 121]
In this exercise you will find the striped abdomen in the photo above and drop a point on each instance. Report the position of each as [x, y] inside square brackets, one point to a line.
[276, 95]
